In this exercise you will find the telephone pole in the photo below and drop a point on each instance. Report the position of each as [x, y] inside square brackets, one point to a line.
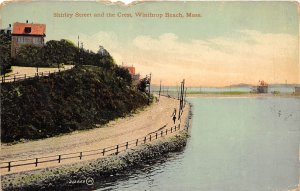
[149, 89]
[159, 90]
[181, 99]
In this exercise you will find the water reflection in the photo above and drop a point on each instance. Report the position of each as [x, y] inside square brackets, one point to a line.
[143, 174]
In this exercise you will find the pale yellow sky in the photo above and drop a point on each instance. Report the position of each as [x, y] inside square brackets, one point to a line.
[214, 62]
[231, 43]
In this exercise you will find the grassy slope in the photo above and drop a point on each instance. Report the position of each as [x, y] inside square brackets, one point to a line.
[72, 100]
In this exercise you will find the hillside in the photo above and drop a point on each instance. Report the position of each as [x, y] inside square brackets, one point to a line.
[72, 100]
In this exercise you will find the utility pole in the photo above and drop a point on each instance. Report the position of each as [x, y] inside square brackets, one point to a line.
[184, 98]
[177, 88]
[149, 89]
[159, 90]
[182, 95]
[181, 99]
[81, 58]
[78, 42]
[78, 57]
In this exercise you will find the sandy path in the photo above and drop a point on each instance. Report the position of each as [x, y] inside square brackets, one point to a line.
[20, 70]
[138, 125]
[20, 73]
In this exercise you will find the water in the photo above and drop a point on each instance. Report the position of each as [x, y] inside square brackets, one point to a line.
[246, 89]
[237, 144]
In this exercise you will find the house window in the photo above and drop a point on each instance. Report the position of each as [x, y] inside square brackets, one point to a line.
[27, 30]
[27, 40]
[20, 39]
[37, 40]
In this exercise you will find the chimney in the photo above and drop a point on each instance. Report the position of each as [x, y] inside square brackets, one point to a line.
[26, 21]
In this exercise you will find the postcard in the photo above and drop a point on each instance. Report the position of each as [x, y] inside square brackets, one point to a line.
[150, 95]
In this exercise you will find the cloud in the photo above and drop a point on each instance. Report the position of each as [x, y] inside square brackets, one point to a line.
[247, 58]
[109, 40]
[244, 58]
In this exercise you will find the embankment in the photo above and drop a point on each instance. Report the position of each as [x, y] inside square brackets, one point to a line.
[61, 103]
[80, 176]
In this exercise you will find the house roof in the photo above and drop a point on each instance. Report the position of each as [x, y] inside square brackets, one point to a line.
[131, 69]
[35, 29]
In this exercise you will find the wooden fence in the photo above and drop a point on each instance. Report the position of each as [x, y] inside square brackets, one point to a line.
[19, 77]
[116, 149]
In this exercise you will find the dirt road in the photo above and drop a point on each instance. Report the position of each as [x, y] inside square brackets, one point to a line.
[153, 118]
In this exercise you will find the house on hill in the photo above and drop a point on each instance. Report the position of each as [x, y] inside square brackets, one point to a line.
[27, 33]
[131, 70]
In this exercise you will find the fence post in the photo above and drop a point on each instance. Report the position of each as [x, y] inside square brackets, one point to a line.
[179, 126]
[80, 155]
[42, 74]
[117, 149]
[2, 79]
[14, 78]
[9, 166]
[137, 141]
[166, 131]
[145, 140]
[156, 135]
[36, 162]
[171, 129]
[103, 151]
[126, 145]
[150, 138]
[59, 158]
[175, 128]
[161, 133]
[49, 73]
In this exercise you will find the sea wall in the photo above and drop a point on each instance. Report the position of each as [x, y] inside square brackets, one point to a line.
[81, 176]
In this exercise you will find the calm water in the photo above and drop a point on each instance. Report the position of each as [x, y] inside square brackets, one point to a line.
[174, 90]
[236, 144]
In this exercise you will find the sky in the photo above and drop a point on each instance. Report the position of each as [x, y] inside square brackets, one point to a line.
[231, 43]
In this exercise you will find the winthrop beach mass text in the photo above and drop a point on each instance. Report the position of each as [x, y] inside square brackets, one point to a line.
[127, 15]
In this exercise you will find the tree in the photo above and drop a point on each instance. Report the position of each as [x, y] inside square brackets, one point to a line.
[5, 48]
[102, 51]
[58, 52]
[102, 58]
[29, 55]
[143, 83]
[123, 73]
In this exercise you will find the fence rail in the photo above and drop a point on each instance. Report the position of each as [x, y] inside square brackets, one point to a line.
[20, 77]
[115, 149]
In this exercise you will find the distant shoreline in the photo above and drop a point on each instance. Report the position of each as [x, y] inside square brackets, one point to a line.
[242, 94]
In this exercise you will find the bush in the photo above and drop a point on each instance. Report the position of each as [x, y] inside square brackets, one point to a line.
[5, 58]
[30, 55]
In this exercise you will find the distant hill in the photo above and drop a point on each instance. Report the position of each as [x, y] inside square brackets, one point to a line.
[72, 100]
[240, 85]
[284, 85]
[271, 85]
